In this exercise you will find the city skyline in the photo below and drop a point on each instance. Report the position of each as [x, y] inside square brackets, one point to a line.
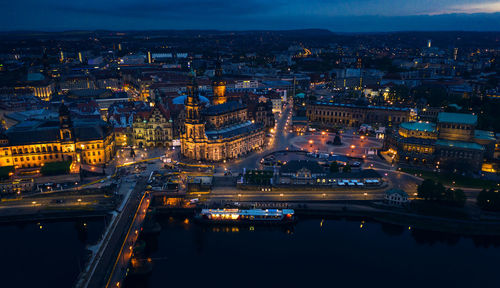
[337, 16]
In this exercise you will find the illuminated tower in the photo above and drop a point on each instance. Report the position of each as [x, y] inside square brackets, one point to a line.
[218, 85]
[194, 129]
[150, 59]
[80, 58]
[65, 123]
[359, 65]
[429, 43]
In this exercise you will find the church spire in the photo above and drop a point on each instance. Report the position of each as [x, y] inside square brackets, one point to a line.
[192, 105]
[218, 84]
[192, 90]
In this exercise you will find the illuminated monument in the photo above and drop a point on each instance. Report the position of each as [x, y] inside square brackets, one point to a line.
[218, 132]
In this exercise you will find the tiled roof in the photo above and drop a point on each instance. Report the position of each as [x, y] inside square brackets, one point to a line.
[363, 174]
[227, 107]
[295, 165]
[233, 130]
[459, 118]
[328, 103]
[485, 135]
[419, 126]
[38, 131]
[396, 191]
[459, 144]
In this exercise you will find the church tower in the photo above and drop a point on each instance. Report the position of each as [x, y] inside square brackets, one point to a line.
[65, 123]
[218, 85]
[193, 138]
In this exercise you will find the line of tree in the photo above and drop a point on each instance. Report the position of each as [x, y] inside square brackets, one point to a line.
[258, 177]
[432, 191]
[334, 168]
[489, 199]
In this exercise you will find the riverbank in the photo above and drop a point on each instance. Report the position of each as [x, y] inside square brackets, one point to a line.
[400, 217]
[53, 214]
[403, 218]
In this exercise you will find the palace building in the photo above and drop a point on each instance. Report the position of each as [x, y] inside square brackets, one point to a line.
[153, 128]
[220, 131]
[330, 114]
[32, 143]
[453, 143]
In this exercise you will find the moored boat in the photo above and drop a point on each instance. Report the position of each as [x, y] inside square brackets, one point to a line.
[246, 216]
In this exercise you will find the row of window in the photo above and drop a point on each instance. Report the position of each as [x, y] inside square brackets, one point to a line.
[92, 146]
[335, 120]
[421, 149]
[456, 126]
[33, 149]
[331, 113]
[33, 158]
[457, 154]
[92, 161]
[93, 153]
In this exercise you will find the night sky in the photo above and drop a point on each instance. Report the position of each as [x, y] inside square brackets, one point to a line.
[335, 15]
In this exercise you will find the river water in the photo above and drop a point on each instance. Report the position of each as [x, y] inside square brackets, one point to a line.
[316, 253]
[45, 254]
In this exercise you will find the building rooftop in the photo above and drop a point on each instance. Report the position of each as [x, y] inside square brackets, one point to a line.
[396, 191]
[295, 165]
[233, 130]
[484, 135]
[328, 103]
[459, 144]
[362, 174]
[227, 107]
[459, 118]
[39, 131]
[419, 126]
[181, 99]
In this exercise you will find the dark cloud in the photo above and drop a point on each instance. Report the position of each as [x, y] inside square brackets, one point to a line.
[336, 15]
[169, 8]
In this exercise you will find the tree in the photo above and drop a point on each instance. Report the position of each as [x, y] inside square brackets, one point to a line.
[454, 197]
[482, 198]
[346, 169]
[334, 167]
[436, 192]
[489, 200]
[425, 189]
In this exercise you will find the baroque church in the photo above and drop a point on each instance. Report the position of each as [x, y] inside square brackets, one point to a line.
[220, 131]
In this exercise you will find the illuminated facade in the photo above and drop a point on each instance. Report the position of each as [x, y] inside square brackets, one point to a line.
[218, 86]
[218, 132]
[153, 128]
[336, 114]
[451, 144]
[33, 143]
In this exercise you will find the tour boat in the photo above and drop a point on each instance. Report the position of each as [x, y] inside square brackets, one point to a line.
[249, 216]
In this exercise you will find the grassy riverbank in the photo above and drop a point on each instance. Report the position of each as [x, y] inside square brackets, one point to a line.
[450, 179]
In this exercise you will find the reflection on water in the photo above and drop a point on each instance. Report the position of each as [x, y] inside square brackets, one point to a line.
[327, 252]
[46, 254]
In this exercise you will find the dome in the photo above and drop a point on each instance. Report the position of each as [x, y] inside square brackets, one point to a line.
[181, 99]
